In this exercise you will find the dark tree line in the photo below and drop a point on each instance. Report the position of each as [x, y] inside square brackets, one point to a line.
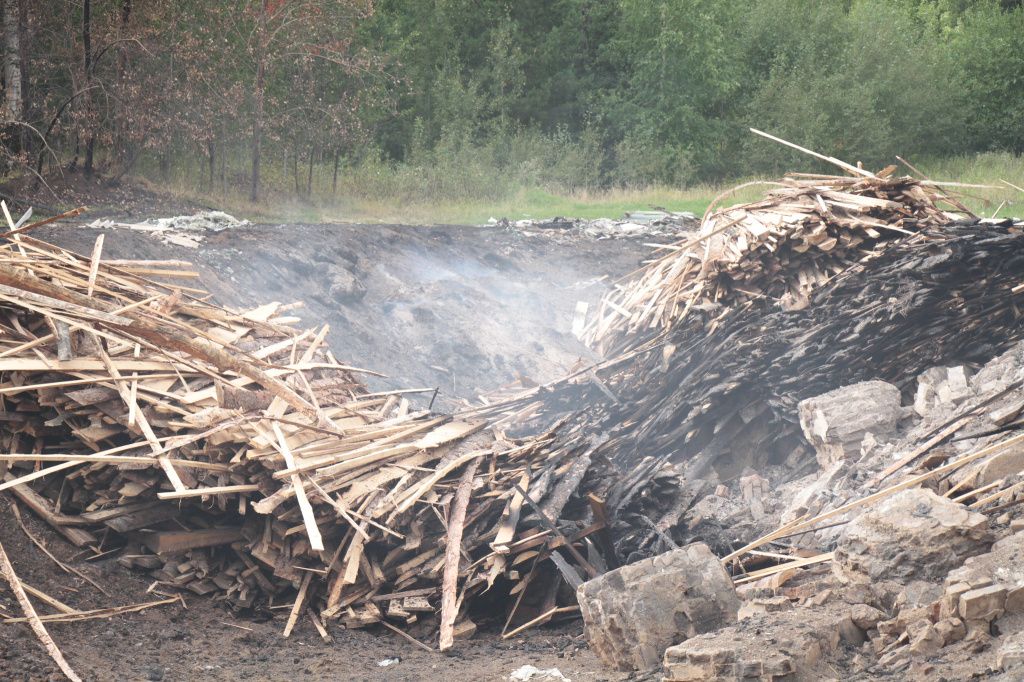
[575, 92]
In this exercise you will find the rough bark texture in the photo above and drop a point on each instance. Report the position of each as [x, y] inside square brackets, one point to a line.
[257, 110]
[12, 61]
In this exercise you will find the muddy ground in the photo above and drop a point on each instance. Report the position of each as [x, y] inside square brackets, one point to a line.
[463, 310]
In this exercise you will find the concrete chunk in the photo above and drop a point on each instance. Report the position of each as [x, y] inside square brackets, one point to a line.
[837, 422]
[984, 603]
[785, 645]
[634, 613]
[913, 535]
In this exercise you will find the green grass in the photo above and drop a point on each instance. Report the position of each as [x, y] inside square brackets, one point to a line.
[994, 170]
[523, 203]
[526, 203]
[393, 201]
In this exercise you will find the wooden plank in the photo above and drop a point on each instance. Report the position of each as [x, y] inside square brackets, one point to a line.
[215, 490]
[453, 555]
[30, 614]
[308, 518]
[171, 541]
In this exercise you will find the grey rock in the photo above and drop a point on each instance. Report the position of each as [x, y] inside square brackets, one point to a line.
[913, 535]
[634, 613]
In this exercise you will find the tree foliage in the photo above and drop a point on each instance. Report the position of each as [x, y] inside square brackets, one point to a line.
[578, 93]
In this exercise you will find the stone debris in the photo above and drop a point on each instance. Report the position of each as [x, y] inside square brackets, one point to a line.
[789, 645]
[940, 387]
[837, 422]
[630, 619]
[1011, 653]
[923, 583]
[914, 534]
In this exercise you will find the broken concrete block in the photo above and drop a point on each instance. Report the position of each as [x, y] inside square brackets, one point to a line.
[941, 386]
[754, 487]
[1002, 465]
[836, 422]
[761, 605]
[984, 603]
[1000, 372]
[1011, 652]
[632, 614]
[915, 534]
[951, 630]
[1003, 567]
[866, 617]
[925, 639]
[951, 599]
[786, 645]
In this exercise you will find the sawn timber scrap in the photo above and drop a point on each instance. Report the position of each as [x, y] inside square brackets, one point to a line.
[825, 282]
[231, 454]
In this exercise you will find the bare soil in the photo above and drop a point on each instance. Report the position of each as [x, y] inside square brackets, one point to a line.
[461, 309]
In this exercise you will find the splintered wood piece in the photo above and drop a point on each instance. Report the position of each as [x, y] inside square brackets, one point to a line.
[540, 620]
[300, 599]
[94, 265]
[308, 518]
[60, 522]
[216, 490]
[453, 554]
[96, 614]
[30, 614]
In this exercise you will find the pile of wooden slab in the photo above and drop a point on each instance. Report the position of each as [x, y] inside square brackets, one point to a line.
[231, 454]
[827, 281]
[776, 251]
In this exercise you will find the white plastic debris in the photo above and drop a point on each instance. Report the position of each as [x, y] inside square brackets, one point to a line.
[182, 230]
[388, 662]
[634, 225]
[529, 673]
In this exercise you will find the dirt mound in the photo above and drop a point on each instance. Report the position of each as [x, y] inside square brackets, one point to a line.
[464, 310]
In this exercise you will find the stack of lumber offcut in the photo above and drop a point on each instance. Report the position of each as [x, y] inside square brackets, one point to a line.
[827, 281]
[229, 453]
[777, 250]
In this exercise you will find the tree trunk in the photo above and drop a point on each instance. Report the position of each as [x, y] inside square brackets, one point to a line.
[13, 102]
[309, 175]
[210, 149]
[120, 148]
[90, 146]
[295, 171]
[334, 183]
[257, 113]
